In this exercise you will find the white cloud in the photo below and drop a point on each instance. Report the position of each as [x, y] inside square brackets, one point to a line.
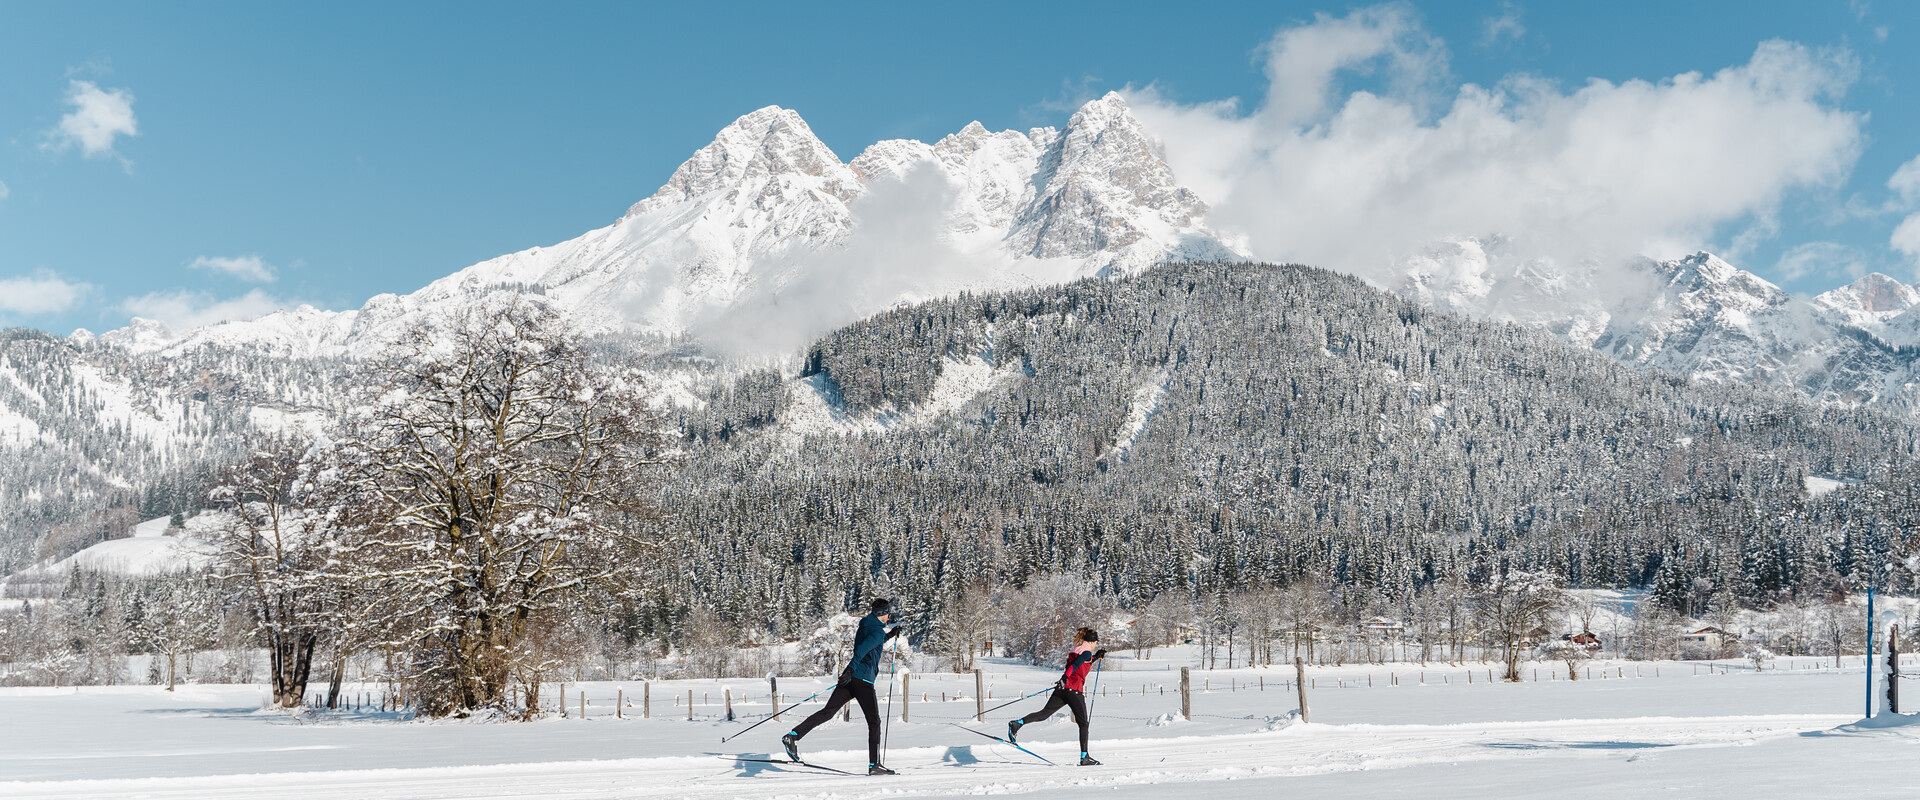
[41, 293]
[1302, 62]
[1906, 239]
[248, 268]
[1595, 173]
[1906, 182]
[898, 251]
[1505, 26]
[1830, 260]
[98, 117]
[183, 311]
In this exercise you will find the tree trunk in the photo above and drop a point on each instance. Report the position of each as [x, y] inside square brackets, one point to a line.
[292, 667]
[333, 682]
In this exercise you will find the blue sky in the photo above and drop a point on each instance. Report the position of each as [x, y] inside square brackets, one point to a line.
[200, 160]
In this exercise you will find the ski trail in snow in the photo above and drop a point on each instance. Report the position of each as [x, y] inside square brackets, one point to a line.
[1175, 763]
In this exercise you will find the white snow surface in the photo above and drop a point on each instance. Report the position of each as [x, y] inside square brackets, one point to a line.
[813, 408]
[1146, 404]
[1385, 730]
[152, 549]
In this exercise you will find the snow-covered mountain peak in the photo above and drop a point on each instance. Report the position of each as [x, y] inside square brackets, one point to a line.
[1706, 279]
[1104, 187]
[763, 147]
[1874, 297]
[140, 335]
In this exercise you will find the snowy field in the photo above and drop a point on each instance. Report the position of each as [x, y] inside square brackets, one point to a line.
[1376, 731]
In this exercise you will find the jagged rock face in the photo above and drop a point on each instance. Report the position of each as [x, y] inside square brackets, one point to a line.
[1094, 182]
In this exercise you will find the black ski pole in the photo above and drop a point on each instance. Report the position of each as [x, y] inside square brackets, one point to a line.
[1015, 700]
[725, 739]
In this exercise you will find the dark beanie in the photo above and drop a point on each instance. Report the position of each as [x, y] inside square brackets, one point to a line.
[1089, 634]
[881, 605]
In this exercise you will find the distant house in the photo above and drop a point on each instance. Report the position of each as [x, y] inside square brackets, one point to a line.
[1709, 637]
[1586, 639]
[1382, 628]
[1536, 637]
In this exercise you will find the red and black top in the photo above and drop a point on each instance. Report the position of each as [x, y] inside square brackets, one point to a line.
[1079, 663]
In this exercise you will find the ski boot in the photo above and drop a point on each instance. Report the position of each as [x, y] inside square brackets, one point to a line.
[877, 769]
[1013, 730]
[791, 742]
[1087, 761]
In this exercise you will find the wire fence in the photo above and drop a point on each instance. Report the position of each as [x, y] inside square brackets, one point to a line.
[950, 697]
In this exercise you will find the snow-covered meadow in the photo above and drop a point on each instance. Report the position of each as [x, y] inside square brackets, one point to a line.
[1648, 729]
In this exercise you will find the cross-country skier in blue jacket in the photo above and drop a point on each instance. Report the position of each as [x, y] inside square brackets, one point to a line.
[856, 683]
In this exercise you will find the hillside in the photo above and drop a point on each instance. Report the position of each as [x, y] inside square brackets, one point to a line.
[1205, 427]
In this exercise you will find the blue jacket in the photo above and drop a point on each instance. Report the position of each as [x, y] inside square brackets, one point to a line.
[868, 641]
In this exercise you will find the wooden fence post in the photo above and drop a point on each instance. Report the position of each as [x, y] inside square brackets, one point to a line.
[775, 698]
[1186, 697]
[689, 705]
[1300, 680]
[583, 704]
[646, 700]
[906, 694]
[728, 693]
[619, 704]
[979, 696]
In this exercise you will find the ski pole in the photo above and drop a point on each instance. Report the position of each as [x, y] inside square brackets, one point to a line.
[1015, 700]
[1096, 686]
[724, 739]
[893, 667]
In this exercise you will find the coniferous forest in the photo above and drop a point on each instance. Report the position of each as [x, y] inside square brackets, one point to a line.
[1232, 449]
[1298, 425]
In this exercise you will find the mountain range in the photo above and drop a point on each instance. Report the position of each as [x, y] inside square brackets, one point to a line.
[767, 221]
[765, 239]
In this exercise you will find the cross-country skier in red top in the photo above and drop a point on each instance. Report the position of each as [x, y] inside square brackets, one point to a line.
[1069, 691]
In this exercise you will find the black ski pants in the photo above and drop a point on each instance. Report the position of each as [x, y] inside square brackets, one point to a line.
[1063, 697]
[850, 689]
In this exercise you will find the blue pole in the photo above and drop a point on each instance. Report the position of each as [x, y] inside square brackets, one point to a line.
[1869, 652]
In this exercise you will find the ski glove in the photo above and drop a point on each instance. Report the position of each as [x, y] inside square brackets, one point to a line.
[1100, 654]
[892, 633]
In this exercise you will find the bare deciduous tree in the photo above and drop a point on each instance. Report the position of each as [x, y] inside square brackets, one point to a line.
[497, 473]
[1512, 606]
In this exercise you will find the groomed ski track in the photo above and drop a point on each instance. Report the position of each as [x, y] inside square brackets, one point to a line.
[1180, 765]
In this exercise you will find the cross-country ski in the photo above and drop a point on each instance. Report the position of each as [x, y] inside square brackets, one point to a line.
[1014, 745]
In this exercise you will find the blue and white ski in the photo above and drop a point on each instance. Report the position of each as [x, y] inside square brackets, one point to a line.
[1014, 745]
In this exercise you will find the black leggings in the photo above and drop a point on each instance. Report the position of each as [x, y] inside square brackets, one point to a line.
[1063, 697]
[850, 689]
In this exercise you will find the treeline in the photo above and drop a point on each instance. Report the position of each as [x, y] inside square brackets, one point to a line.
[1215, 446]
